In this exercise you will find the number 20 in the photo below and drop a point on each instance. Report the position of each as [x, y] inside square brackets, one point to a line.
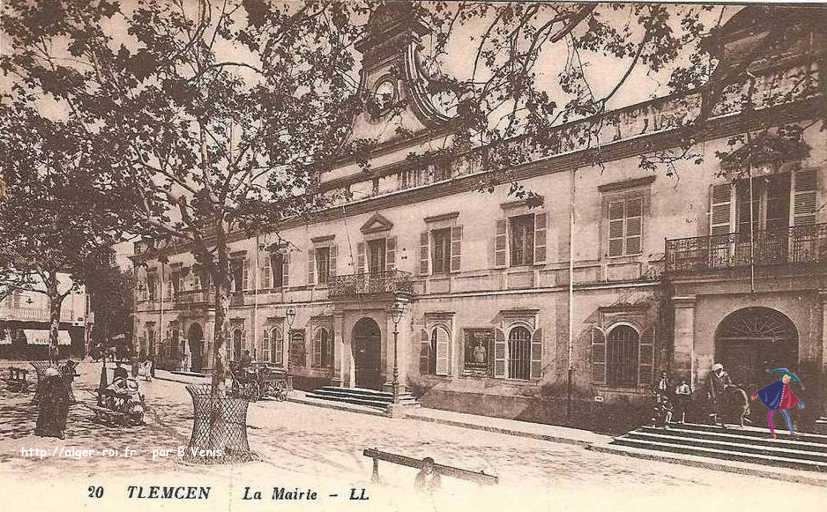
[95, 491]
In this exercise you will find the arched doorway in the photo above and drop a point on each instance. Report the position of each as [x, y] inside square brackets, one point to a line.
[195, 335]
[752, 340]
[367, 354]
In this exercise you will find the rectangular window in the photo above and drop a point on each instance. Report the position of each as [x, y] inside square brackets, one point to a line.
[770, 204]
[522, 240]
[441, 249]
[625, 226]
[152, 286]
[376, 256]
[322, 264]
[237, 274]
[277, 269]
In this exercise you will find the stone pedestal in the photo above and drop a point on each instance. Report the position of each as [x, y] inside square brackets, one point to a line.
[396, 411]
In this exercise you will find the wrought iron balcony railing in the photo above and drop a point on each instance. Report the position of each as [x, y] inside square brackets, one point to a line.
[794, 245]
[199, 296]
[376, 283]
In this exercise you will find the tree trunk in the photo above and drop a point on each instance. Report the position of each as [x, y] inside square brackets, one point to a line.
[222, 302]
[55, 303]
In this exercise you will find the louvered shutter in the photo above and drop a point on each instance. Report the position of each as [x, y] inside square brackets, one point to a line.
[390, 253]
[424, 252]
[540, 220]
[442, 352]
[647, 356]
[285, 274]
[598, 356]
[317, 349]
[311, 267]
[456, 248]
[424, 353]
[278, 345]
[500, 244]
[360, 257]
[265, 280]
[245, 275]
[720, 209]
[804, 200]
[243, 340]
[331, 272]
[266, 354]
[499, 354]
[537, 354]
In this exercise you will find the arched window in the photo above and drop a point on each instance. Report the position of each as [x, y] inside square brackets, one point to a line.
[622, 348]
[297, 348]
[432, 351]
[265, 346]
[519, 353]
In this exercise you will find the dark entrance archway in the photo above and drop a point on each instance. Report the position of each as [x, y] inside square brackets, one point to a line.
[195, 335]
[752, 340]
[367, 354]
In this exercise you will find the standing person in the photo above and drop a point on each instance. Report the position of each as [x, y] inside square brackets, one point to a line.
[683, 395]
[779, 397]
[718, 383]
[664, 386]
[427, 480]
[67, 372]
[53, 406]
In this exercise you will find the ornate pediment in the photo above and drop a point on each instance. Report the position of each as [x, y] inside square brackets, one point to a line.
[376, 224]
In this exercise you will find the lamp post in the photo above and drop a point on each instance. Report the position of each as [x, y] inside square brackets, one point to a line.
[291, 317]
[396, 315]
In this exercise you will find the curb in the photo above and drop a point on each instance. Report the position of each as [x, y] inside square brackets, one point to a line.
[500, 430]
[336, 407]
[707, 463]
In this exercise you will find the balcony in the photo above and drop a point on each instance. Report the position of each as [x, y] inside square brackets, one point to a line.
[194, 297]
[32, 314]
[378, 283]
[789, 246]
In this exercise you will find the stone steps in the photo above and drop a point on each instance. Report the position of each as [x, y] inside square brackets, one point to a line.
[751, 444]
[360, 396]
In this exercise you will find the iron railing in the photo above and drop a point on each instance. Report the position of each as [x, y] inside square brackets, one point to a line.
[793, 245]
[375, 283]
[200, 296]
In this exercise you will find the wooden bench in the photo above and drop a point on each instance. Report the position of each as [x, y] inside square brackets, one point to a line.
[463, 474]
[102, 414]
[17, 380]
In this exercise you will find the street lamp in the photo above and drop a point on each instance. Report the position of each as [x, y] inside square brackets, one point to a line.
[291, 317]
[396, 315]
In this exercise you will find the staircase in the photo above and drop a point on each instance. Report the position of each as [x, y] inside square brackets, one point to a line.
[360, 396]
[806, 452]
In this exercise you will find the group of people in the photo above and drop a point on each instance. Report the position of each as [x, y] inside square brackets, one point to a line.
[53, 397]
[779, 397]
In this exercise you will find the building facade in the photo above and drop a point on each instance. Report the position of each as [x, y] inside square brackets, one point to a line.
[613, 274]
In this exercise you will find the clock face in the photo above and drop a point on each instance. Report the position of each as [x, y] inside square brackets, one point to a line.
[385, 94]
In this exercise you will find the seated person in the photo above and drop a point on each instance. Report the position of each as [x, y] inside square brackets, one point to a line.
[120, 372]
[427, 480]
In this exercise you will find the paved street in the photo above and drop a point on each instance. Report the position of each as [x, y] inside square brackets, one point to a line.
[302, 445]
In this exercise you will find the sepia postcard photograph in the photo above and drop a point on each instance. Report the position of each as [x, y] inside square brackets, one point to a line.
[397, 255]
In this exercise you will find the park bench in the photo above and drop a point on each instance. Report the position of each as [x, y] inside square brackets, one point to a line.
[17, 380]
[463, 474]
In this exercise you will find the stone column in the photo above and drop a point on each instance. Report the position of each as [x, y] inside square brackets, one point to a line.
[683, 356]
[822, 295]
[338, 349]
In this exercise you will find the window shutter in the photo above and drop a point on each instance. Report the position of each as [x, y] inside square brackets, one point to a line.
[540, 220]
[804, 198]
[265, 281]
[456, 248]
[360, 258]
[278, 345]
[285, 282]
[243, 340]
[317, 349]
[424, 252]
[500, 244]
[720, 209]
[390, 253]
[424, 353]
[537, 354]
[331, 272]
[245, 275]
[266, 347]
[598, 356]
[647, 356]
[499, 354]
[442, 361]
[311, 267]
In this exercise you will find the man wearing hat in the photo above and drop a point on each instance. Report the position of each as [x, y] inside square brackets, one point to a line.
[779, 397]
[719, 381]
